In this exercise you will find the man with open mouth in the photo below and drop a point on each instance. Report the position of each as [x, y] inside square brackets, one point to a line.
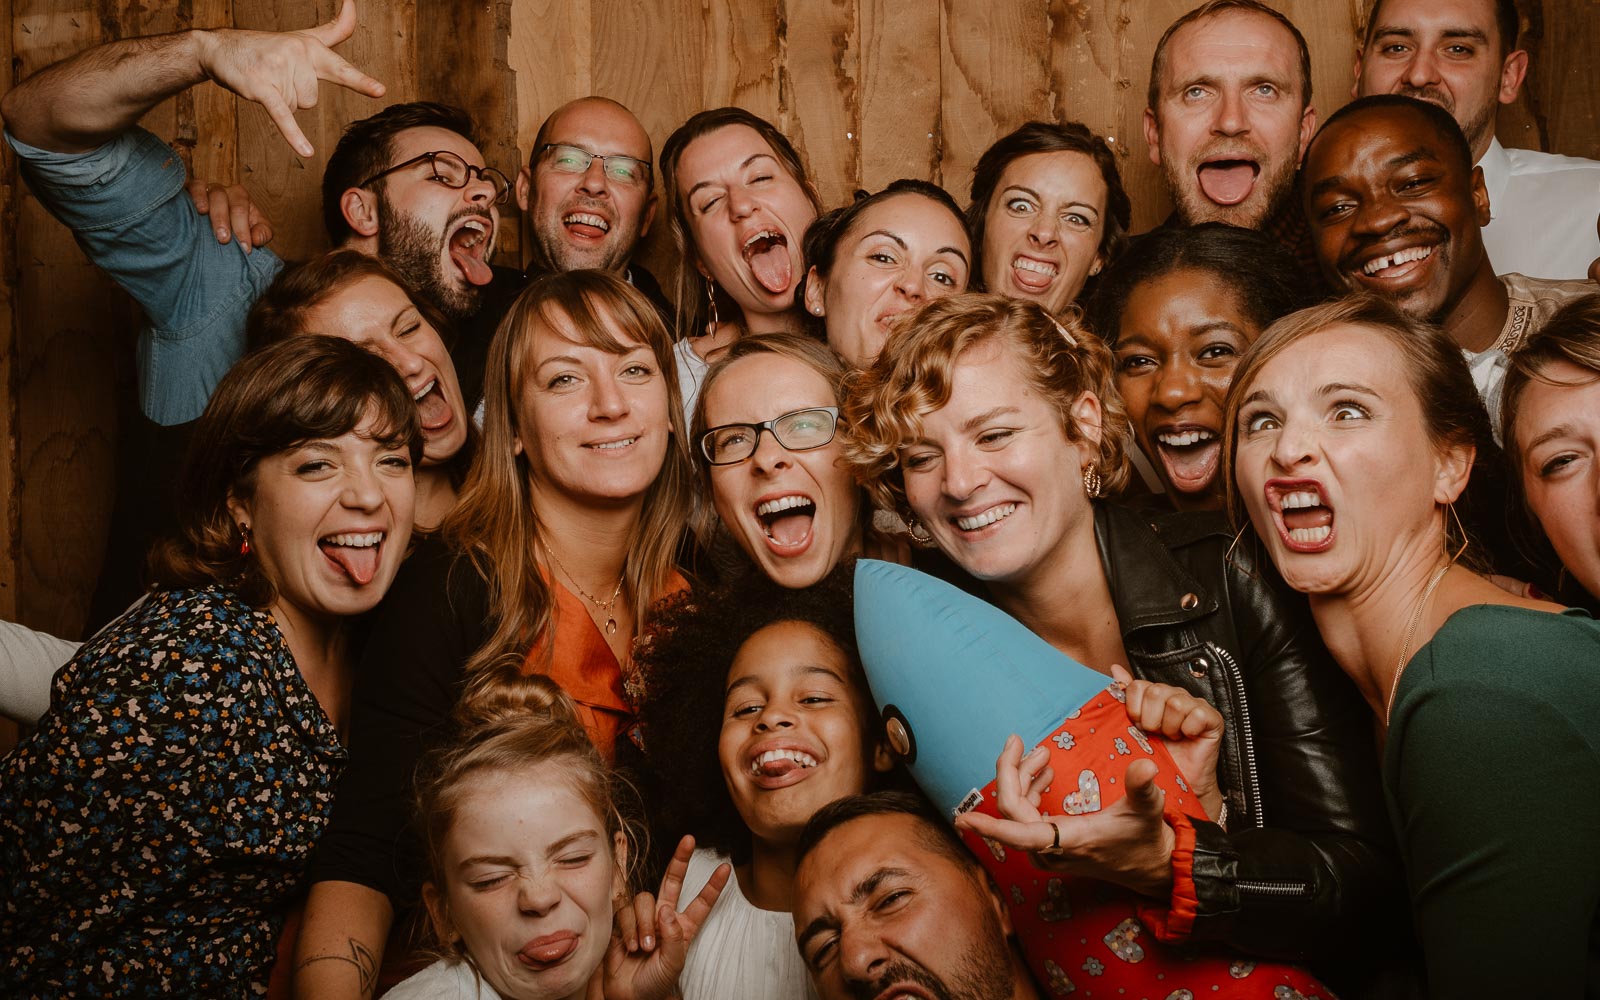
[1396, 208]
[1229, 116]
[407, 184]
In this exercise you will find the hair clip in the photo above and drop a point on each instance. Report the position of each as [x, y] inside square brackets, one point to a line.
[1069, 338]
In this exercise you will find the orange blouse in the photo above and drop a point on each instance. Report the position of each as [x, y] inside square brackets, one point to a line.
[583, 664]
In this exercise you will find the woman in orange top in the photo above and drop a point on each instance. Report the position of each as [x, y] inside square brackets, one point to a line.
[565, 533]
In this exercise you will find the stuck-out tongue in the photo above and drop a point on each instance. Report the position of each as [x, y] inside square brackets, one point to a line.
[361, 564]
[1228, 182]
[792, 529]
[772, 266]
[433, 410]
[778, 768]
[1307, 517]
[472, 268]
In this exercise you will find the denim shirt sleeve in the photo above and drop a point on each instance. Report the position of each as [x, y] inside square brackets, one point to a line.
[126, 206]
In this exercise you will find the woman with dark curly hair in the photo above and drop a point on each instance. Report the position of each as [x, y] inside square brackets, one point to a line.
[791, 729]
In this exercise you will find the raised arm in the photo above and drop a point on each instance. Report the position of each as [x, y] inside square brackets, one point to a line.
[84, 101]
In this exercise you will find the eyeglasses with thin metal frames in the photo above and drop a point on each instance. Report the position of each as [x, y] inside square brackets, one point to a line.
[570, 159]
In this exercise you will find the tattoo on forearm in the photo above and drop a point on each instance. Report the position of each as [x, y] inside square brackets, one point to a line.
[360, 956]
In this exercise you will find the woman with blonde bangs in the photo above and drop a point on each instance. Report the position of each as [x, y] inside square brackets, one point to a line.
[564, 535]
[996, 430]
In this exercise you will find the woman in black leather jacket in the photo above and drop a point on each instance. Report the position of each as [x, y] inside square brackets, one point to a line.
[992, 428]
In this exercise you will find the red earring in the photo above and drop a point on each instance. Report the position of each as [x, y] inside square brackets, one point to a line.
[244, 545]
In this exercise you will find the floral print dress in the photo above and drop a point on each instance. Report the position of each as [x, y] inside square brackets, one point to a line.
[154, 828]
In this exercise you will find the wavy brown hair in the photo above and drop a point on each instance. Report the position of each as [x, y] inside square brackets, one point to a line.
[1572, 335]
[689, 293]
[494, 524]
[885, 404]
[274, 399]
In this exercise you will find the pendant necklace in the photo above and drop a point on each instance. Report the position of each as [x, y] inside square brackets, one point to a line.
[604, 606]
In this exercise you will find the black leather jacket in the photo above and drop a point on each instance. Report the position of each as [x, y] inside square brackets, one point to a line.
[1307, 868]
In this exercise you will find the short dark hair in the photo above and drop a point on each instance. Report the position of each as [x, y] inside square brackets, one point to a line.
[1441, 120]
[1047, 137]
[1263, 276]
[692, 644]
[367, 146]
[821, 243]
[936, 833]
[296, 390]
[1212, 8]
[1506, 19]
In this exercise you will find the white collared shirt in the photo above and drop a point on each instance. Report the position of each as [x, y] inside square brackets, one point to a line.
[1543, 210]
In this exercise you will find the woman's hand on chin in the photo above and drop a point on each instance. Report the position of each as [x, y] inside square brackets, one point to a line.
[650, 938]
[1191, 728]
[1127, 842]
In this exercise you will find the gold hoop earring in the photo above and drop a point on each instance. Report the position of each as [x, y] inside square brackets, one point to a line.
[711, 297]
[1091, 481]
[918, 531]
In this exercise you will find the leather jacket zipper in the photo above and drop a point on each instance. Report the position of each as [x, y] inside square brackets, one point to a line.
[1252, 782]
[1282, 889]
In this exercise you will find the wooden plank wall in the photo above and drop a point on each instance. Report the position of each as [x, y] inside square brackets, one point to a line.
[870, 90]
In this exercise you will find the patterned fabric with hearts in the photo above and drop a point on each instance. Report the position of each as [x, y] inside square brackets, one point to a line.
[1083, 938]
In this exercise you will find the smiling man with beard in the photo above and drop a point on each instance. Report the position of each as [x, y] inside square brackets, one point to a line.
[1462, 55]
[888, 903]
[1229, 117]
[1396, 208]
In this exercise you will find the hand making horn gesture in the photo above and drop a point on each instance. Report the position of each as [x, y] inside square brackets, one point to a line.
[281, 70]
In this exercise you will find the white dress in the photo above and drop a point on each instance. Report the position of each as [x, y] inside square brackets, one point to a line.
[692, 370]
[446, 979]
[740, 951]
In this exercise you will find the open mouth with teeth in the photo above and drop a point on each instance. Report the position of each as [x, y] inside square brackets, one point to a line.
[469, 246]
[1302, 513]
[433, 410]
[767, 253]
[983, 519]
[787, 521]
[355, 554]
[1031, 274]
[779, 767]
[586, 225]
[1228, 182]
[620, 444]
[1190, 455]
[1399, 264]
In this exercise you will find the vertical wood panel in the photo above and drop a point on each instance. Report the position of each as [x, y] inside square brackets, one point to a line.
[1096, 77]
[899, 97]
[67, 354]
[741, 56]
[10, 526]
[821, 96]
[993, 76]
[549, 58]
[1564, 79]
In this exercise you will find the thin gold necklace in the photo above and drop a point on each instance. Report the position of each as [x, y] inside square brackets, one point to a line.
[604, 606]
[1411, 631]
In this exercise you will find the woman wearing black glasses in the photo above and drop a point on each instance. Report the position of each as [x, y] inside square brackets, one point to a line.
[764, 432]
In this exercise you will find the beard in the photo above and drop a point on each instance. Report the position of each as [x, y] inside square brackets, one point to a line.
[416, 253]
[1273, 189]
[554, 252]
[1476, 128]
[985, 974]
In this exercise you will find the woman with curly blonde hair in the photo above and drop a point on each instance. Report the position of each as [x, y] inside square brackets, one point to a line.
[997, 432]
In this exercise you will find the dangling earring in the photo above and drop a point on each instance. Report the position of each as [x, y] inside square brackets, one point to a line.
[244, 543]
[711, 297]
[1091, 481]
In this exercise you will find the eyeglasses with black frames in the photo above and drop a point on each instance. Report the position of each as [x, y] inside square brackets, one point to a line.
[450, 170]
[798, 430]
[575, 160]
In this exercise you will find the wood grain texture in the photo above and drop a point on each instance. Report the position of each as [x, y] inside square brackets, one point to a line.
[870, 90]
